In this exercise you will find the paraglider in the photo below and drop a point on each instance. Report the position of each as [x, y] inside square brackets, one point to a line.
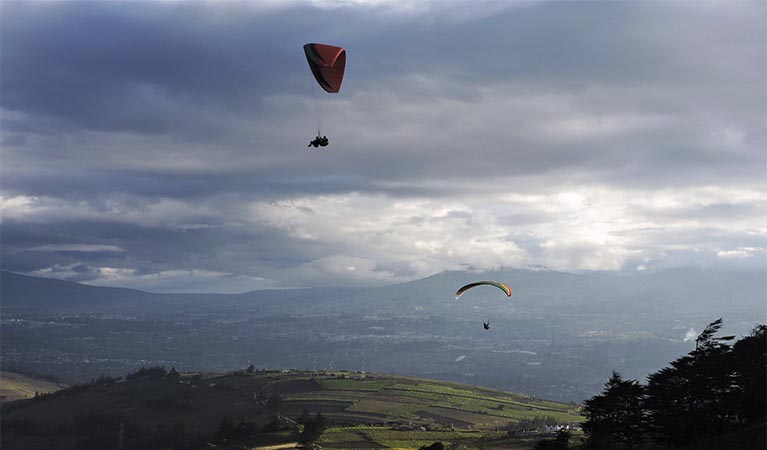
[502, 286]
[319, 142]
[506, 289]
[327, 63]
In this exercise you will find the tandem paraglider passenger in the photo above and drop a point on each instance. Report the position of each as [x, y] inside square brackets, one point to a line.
[319, 142]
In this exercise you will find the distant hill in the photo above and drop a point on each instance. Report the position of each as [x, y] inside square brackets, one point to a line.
[15, 386]
[25, 293]
[377, 409]
[538, 290]
[559, 336]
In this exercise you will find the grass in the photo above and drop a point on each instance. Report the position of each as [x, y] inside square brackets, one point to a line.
[387, 437]
[333, 384]
[451, 413]
[470, 401]
[14, 386]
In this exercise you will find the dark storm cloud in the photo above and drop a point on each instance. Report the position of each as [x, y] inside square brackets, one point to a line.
[150, 248]
[86, 62]
[188, 69]
[151, 137]
[264, 183]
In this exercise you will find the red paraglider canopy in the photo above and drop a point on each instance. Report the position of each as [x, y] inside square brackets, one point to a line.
[327, 63]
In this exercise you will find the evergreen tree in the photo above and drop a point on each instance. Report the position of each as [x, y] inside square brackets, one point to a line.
[559, 442]
[713, 390]
[173, 376]
[304, 418]
[693, 397]
[226, 429]
[434, 446]
[749, 363]
[275, 402]
[615, 416]
[313, 429]
[668, 404]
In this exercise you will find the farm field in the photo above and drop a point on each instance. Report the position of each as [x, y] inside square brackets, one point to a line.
[417, 401]
[347, 438]
[388, 411]
[362, 410]
[15, 386]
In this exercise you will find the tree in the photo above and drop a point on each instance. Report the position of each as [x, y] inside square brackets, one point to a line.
[559, 442]
[693, 398]
[668, 404]
[707, 339]
[226, 429]
[434, 446]
[615, 416]
[313, 429]
[150, 372]
[251, 368]
[275, 403]
[711, 391]
[173, 376]
[304, 418]
[749, 363]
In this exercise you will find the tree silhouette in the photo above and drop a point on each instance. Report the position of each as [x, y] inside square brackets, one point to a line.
[615, 416]
[225, 429]
[173, 376]
[713, 390]
[559, 442]
[275, 402]
[693, 397]
[434, 446]
[706, 338]
[750, 375]
[304, 418]
[313, 429]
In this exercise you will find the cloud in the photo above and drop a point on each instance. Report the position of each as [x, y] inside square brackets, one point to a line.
[180, 281]
[166, 143]
[364, 238]
[75, 248]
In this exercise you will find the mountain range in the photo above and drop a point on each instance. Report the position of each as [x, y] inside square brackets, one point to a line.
[559, 336]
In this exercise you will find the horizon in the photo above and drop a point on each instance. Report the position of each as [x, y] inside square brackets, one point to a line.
[648, 272]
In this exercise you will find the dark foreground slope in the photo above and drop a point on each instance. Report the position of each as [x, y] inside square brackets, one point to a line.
[384, 411]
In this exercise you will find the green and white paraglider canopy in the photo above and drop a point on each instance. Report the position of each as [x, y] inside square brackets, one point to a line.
[505, 288]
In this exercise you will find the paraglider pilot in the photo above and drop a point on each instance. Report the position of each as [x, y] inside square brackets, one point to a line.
[319, 142]
[486, 324]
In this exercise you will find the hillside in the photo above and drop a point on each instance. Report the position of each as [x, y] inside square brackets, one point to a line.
[384, 411]
[15, 386]
[559, 336]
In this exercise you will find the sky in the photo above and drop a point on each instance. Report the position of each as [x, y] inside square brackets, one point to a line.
[163, 145]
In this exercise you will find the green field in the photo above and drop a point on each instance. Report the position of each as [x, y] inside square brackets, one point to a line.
[14, 386]
[428, 402]
[407, 413]
[364, 410]
[343, 438]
